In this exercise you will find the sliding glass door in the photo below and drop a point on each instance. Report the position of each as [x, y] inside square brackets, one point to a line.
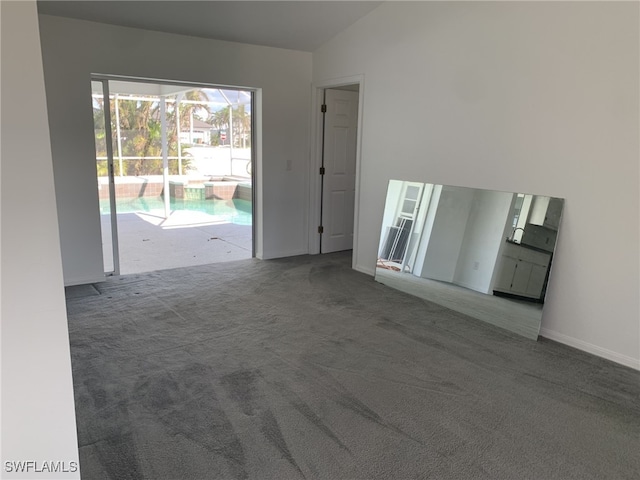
[177, 161]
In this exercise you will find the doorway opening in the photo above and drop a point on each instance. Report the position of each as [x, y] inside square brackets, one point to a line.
[338, 141]
[175, 173]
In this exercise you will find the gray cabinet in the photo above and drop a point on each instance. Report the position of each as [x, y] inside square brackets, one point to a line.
[507, 270]
[546, 212]
[522, 271]
[554, 212]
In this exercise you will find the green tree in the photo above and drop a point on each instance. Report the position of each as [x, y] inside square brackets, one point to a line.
[140, 129]
[242, 126]
[220, 120]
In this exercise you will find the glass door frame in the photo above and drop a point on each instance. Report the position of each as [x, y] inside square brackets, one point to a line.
[113, 214]
[104, 80]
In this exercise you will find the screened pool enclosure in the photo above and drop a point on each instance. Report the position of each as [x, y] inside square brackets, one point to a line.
[172, 157]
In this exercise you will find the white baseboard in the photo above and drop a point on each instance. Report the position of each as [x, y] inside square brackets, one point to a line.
[367, 270]
[84, 281]
[282, 254]
[592, 349]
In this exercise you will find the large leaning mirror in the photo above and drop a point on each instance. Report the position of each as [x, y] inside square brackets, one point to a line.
[483, 253]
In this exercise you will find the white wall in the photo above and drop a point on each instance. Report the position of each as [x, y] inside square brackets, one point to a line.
[38, 417]
[536, 97]
[447, 233]
[483, 238]
[73, 50]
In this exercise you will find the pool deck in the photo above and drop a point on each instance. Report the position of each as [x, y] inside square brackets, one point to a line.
[148, 242]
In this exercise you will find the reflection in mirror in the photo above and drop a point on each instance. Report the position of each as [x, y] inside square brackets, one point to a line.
[483, 253]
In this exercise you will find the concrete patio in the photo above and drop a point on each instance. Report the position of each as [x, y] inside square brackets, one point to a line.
[148, 242]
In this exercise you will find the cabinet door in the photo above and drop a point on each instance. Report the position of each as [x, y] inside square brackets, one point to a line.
[505, 278]
[536, 280]
[554, 212]
[521, 276]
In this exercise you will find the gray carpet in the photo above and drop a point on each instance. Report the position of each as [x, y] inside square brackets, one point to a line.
[304, 368]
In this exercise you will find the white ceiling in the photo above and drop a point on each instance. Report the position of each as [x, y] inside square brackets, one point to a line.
[296, 25]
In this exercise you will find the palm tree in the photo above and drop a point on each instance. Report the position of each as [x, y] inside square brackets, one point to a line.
[220, 120]
[242, 124]
[140, 130]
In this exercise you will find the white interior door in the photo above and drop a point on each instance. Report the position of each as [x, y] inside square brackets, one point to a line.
[339, 163]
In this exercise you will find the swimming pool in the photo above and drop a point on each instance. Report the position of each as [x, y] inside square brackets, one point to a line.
[237, 211]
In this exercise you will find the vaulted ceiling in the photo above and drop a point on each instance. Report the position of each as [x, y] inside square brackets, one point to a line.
[296, 25]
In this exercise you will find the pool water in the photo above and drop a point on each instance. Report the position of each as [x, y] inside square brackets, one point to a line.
[238, 211]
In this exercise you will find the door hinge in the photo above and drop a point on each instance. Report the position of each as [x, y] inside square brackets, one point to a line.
[322, 170]
[323, 109]
[320, 229]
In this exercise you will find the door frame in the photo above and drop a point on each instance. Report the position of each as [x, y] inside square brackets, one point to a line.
[315, 181]
[113, 214]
